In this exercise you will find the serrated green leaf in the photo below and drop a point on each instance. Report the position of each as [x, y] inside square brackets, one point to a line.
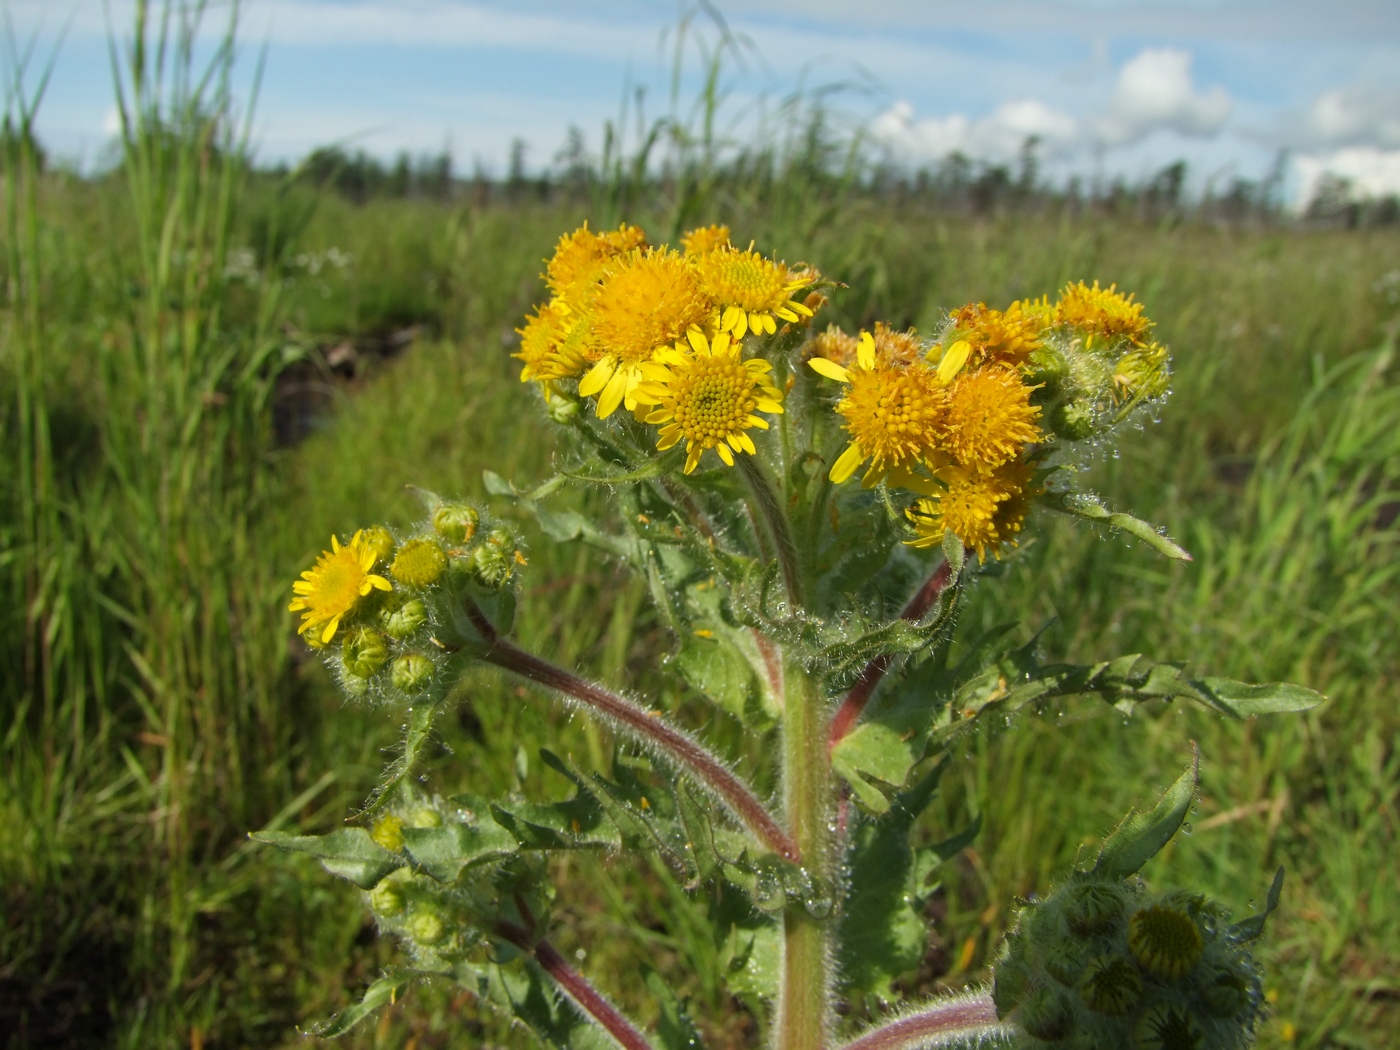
[874, 749]
[719, 671]
[752, 961]
[883, 931]
[444, 851]
[383, 991]
[349, 853]
[1272, 698]
[1138, 838]
[1249, 929]
[578, 823]
[844, 661]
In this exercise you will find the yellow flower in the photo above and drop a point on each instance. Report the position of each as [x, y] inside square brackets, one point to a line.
[646, 302]
[419, 563]
[704, 240]
[989, 417]
[834, 344]
[549, 344]
[579, 258]
[329, 591]
[751, 291]
[1008, 336]
[1141, 374]
[706, 393]
[983, 510]
[894, 415]
[1102, 312]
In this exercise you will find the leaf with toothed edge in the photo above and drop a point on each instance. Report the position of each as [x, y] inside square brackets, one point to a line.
[349, 853]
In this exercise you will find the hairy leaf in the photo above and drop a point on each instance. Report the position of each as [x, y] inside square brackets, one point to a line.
[443, 852]
[385, 990]
[1249, 929]
[1138, 838]
[348, 852]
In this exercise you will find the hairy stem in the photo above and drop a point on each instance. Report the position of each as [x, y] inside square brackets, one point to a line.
[770, 509]
[854, 704]
[804, 998]
[588, 999]
[648, 727]
[936, 1025]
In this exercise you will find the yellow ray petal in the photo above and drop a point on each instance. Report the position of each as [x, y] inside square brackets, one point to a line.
[830, 369]
[597, 377]
[847, 462]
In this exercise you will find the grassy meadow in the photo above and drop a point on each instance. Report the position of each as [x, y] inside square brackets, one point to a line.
[206, 371]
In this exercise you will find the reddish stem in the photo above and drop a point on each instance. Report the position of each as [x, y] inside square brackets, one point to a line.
[851, 708]
[589, 999]
[649, 727]
[959, 1018]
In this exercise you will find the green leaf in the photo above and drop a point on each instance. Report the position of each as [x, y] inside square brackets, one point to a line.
[349, 853]
[674, 1028]
[717, 669]
[652, 468]
[752, 960]
[883, 930]
[1249, 929]
[1138, 838]
[444, 851]
[1088, 506]
[874, 749]
[844, 661]
[385, 990]
[1243, 700]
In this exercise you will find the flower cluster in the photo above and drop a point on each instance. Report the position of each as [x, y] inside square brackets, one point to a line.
[1100, 963]
[960, 421]
[660, 332]
[373, 605]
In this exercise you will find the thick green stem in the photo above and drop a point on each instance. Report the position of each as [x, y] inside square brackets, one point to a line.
[804, 997]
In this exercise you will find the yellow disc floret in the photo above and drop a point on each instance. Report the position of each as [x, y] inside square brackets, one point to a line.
[1009, 336]
[329, 591]
[1101, 313]
[752, 292]
[579, 258]
[989, 417]
[703, 391]
[983, 510]
[1165, 941]
[646, 302]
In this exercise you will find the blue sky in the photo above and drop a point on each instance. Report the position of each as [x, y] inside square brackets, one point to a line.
[1111, 86]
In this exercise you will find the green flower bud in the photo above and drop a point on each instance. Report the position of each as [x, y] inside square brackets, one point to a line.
[1093, 907]
[424, 817]
[378, 539]
[1168, 1027]
[387, 832]
[1226, 995]
[1110, 986]
[1074, 420]
[1011, 984]
[386, 899]
[411, 672]
[491, 565]
[455, 522]
[364, 652]
[1165, 941]
[400, 621]
[419, 563]
[561, 410]
[1065, 962]
[1046, 1015]
[425, 927]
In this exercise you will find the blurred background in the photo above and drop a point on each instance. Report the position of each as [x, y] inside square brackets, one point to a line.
[263, 267]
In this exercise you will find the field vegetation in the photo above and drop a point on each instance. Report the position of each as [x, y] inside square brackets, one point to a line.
[207, 369]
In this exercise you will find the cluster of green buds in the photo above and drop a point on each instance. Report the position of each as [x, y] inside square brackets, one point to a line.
[1102, 964]
[385, 607]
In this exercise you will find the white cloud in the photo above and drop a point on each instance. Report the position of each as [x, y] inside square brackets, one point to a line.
[997, 137]
[1372, 172]
[1360, 115]
[1155, 92]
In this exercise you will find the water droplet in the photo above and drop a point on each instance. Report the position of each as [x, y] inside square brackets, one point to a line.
[1186, 828]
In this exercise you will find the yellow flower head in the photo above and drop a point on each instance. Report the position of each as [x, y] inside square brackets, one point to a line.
[1008, 336]
[580, 256]
[1106, 313]
[330, 590]
[419, 563]
[1141, 374]
[706, 393]
[646, 302]
[704, 240]
[989, 417]
[752, 291]
[984, 510]
[549, 344]
[835, 345]
[1039, 312]
[894, 415]
[896, 348]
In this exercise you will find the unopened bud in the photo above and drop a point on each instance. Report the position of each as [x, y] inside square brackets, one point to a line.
[1165, 941]
[402, 620]
[493, 560]
[424, 817]
[364, 652]
[425, 927]
[386, 899]
[387, 832]
[562, 410]
[411, 672]
[419, 563]
[379, 540]
[455, 522]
